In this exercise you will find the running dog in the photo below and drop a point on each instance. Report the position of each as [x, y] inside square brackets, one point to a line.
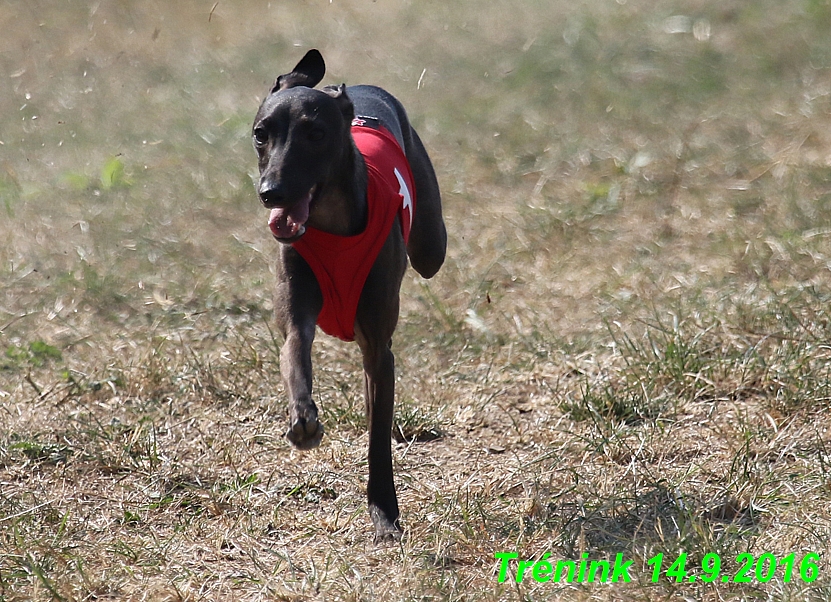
[352, 195]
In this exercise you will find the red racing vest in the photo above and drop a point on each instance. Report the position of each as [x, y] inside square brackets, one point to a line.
[341, 264]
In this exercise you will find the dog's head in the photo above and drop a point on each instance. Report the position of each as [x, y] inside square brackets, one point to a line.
[301, 136]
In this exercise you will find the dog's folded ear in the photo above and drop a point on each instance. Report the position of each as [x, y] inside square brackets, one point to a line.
[308, 72]
[342, 99]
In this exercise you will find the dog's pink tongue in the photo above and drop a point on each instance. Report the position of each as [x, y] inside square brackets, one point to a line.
[288, 222]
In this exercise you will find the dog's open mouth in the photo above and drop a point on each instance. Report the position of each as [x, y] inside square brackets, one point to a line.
[289, 223]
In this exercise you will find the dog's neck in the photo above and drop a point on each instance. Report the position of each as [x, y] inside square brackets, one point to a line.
[341, 208]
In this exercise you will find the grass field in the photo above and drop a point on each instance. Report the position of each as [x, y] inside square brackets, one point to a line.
[628, 350]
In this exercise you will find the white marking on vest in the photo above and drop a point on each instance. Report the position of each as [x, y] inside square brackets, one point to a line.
[405, 192]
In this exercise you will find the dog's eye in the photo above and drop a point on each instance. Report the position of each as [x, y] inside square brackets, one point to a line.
[316, 134]
[260, 136]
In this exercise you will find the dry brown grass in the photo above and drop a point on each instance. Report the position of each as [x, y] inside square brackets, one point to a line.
[626, 351]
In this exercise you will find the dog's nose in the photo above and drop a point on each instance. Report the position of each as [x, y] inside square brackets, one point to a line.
[271, 194]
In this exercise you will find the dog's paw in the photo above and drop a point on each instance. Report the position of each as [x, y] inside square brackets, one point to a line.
[387, 536]
[305, 432]
[386, 531]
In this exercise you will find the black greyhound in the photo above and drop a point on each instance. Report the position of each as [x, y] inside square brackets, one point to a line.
[325, 194]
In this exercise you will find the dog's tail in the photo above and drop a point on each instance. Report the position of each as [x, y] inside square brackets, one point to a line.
[427, 245]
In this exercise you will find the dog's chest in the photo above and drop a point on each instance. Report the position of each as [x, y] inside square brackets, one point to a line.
[341, 264]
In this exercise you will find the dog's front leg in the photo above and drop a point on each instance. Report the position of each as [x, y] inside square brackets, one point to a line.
[297, 302]
[379, 381]
[305, 429]
[374, 326]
